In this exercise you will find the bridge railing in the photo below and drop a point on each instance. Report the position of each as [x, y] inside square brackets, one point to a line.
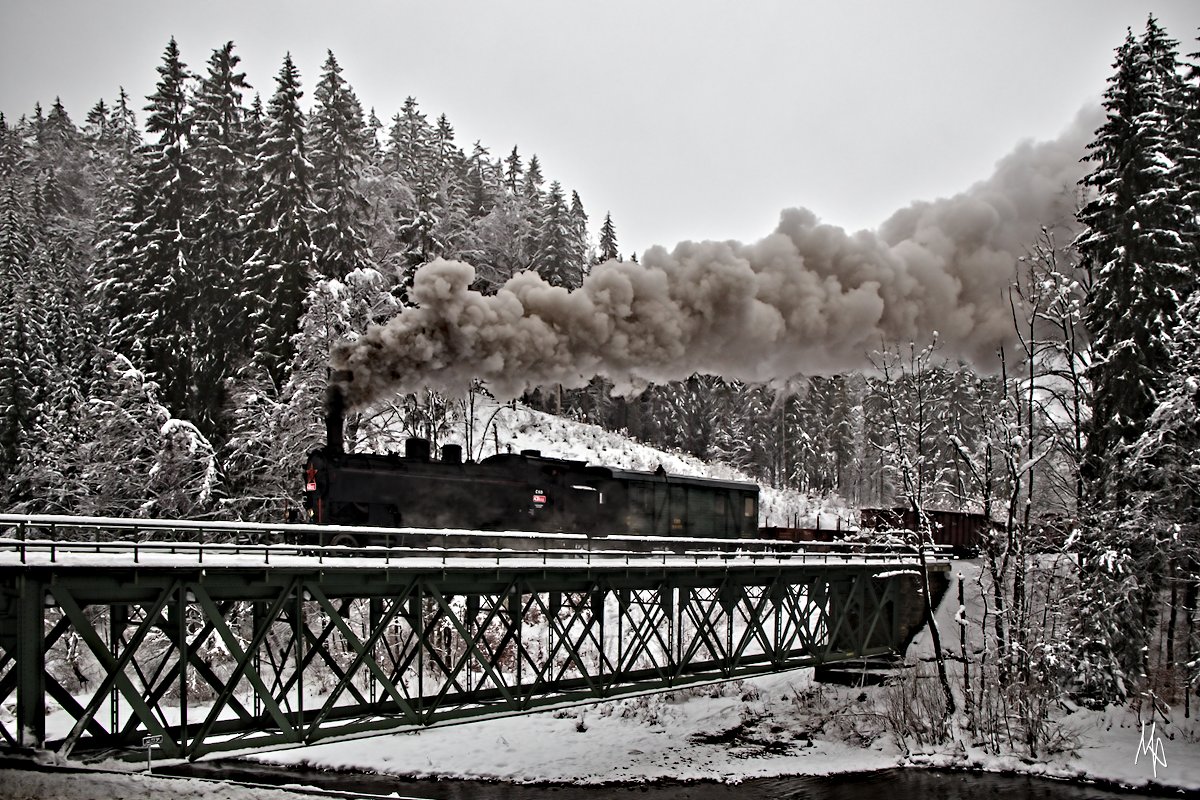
[115, 553]
[50, 534]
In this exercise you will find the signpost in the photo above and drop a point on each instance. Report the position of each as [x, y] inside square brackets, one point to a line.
[150, 742]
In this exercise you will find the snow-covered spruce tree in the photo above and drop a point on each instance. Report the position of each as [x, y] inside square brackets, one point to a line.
[579, 234]
[10, 148]
[222, 153]
[389, 199]
[808, 437]
[875, 488]
[452, 234]
[689, 413]
[532, 200]
[23, 366]
[437, 222]
[411, 151]
[1167, 461]
[448, 158]
[796, 437]
[282, 262]
[557, 258]
[608, 240]
[113, 139]
[501, 234]
[59, 266]
[466, 190]
[1131, 246]
[43, 350]
[161, 265]
[339, 149]
[58, 194]
[483, 182]
[743, 440]
[1140, 267]
[514, 172]
[455, 229]
[1189, 148]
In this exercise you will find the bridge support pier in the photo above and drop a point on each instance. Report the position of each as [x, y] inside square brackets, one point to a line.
[30, 660]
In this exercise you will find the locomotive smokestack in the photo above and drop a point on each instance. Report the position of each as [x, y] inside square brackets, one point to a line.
[335, 414]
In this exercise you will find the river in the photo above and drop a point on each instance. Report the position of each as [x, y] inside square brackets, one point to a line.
[892, 784]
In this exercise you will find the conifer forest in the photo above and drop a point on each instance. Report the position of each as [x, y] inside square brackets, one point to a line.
[175, 271]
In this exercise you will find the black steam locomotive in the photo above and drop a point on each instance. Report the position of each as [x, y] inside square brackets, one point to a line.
[510, 492]
[520, 492]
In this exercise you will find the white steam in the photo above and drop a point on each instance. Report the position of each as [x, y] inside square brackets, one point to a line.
[807, 299]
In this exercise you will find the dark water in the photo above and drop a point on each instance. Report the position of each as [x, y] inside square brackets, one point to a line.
[895, 784]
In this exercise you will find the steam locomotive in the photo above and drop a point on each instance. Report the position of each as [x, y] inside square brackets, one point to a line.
[509, 492]
[523, 491]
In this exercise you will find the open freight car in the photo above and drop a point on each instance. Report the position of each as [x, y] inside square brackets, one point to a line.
[962, 531]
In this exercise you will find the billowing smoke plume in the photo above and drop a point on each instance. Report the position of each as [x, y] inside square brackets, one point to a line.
[808, 299]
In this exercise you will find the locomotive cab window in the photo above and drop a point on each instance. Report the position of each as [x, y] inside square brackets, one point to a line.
[599, 495]
[749, 510]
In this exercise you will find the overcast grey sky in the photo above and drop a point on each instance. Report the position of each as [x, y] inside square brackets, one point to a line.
[690, 119]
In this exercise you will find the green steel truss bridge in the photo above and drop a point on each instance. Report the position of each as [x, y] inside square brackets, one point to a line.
[218, 638]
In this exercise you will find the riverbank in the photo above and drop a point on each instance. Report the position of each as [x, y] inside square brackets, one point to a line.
[762, 728]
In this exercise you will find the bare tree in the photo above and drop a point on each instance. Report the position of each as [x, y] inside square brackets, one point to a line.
[912, 419]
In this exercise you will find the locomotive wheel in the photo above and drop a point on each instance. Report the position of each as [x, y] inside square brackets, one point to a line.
[344, 540]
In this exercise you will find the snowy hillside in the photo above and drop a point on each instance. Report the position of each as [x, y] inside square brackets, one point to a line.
[513, 429]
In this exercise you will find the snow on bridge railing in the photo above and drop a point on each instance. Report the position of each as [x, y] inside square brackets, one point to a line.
[258, 543]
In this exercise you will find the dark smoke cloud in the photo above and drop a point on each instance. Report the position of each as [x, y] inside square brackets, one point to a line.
[808, 299]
